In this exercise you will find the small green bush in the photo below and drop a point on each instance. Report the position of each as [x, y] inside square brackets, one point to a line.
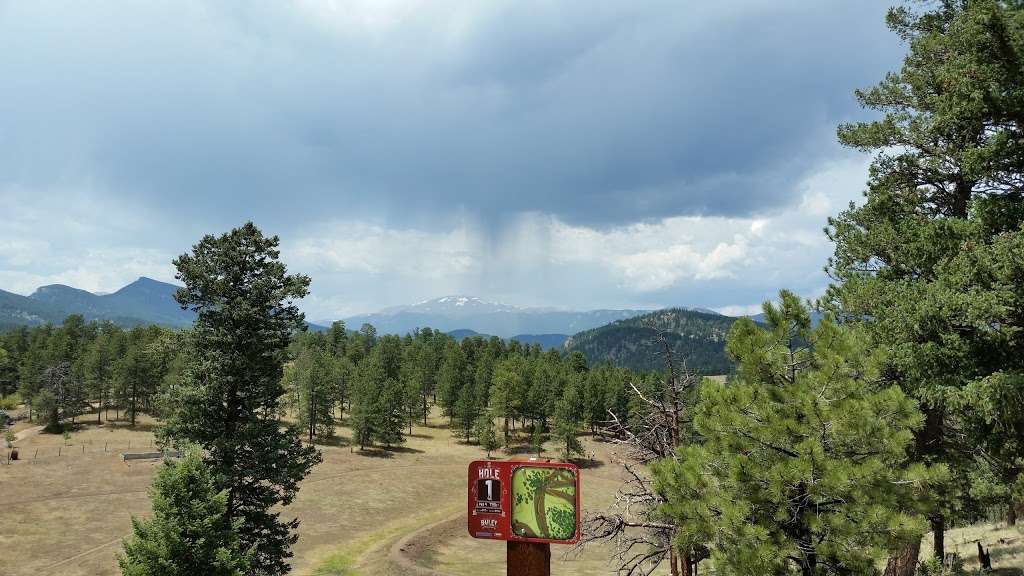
[934, 567]
[10, 402]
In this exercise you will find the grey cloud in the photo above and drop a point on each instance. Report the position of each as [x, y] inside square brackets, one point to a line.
[600, 114]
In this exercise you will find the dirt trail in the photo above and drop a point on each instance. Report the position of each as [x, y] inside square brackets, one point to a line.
[28, 432]
[408, 551]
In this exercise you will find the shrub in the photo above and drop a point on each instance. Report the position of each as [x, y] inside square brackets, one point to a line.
[10, 402]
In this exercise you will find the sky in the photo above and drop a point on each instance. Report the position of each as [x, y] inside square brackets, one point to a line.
[538, 153]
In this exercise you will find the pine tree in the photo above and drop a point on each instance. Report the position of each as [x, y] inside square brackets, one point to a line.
[363, 421]
[392, 413]
[450, 379]
[62, 396]
[133, 375]
[190, 531]
[483, 429]
[537, 440]
[507, 391]
[313, 374]
[803, 464]
[466, 411]
[928, 262]
[569, 418]
[229, 402]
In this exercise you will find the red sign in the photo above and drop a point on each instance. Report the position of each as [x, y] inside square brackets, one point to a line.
[525, 501]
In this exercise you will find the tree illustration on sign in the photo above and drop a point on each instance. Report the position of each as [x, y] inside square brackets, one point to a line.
[544, 503]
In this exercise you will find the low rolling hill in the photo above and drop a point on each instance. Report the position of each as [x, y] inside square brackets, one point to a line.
[698, 338]
[545, 341]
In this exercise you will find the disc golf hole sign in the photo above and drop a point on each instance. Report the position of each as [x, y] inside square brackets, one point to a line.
[525, 501]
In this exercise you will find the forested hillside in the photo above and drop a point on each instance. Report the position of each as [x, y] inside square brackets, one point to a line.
[697, 338]
[144, 301]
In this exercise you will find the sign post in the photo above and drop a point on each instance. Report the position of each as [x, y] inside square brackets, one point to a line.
[528, 559]
[528, 503]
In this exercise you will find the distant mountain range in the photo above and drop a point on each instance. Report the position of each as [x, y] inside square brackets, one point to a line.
[470, 313]
[145, 301]
[694, 336]
[627, 337]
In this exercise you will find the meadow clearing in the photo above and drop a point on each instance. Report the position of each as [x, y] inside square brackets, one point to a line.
[66, 506]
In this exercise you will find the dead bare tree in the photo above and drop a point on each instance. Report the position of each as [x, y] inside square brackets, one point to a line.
[642, 538]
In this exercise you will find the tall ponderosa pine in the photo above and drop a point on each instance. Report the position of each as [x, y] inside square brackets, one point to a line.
[507, 392]
[803, 462]
[190, 531]
[483, 429]
[314, 376]
[931, 261]
[62, 396]
[229, 401]
[568, 418]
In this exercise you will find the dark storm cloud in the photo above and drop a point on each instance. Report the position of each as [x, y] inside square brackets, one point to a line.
[597, 114]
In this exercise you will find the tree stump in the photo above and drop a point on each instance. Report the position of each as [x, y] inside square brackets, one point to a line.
[984, 558]
[14, 454]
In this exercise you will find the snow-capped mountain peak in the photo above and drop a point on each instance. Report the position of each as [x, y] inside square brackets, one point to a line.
[456, 303]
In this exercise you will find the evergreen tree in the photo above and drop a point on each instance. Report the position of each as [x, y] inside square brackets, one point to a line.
[62, 396]
[928, 262]
[363, 421]
[313, 375]
[803, 463]
[97, 368]
[537, 440]
[485, 434]
[190, 531]
[35, 360]
[568, 419]
[337, 338]
[6, 386]
[230, 401]
[451, 379]
[466, 411]
[392, 413]
[507, 391]
[133, 376]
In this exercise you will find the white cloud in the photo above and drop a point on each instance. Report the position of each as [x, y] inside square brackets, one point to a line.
[739, 309]
[365, 248]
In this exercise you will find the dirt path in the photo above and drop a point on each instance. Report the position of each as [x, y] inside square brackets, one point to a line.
[49, 569]
[27, 433]
[409, 551]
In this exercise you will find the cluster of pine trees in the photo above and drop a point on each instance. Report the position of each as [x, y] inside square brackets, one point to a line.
[902, 413]
[61, 372]
[380, 385]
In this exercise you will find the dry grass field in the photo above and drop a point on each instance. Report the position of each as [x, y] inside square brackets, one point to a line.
[66, 505]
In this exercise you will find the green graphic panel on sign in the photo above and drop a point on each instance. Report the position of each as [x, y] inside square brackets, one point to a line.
[544, 503]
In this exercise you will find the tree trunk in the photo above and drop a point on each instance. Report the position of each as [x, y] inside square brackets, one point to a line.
[1011, 513]
[134, 400]
[672, 563]
[686, 564]
[904, 561]
[939, 536]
